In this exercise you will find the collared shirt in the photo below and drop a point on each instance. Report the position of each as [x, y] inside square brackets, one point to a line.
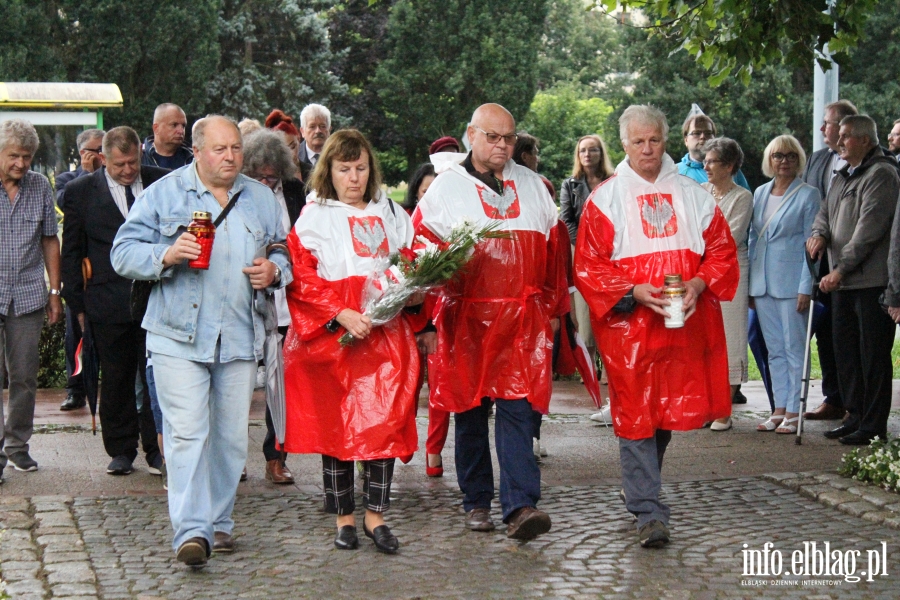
[118, 192]
[837, 163]
[487, 178]
[225, 314]
[24, 221]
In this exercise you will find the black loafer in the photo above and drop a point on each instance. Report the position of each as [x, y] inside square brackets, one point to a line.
[858, 438]
[842, 431]
[346, 538]
[384, 540]
[73, 402]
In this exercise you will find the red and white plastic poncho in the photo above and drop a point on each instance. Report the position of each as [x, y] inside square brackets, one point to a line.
[356, 402]
[632, 232]
[493, 319]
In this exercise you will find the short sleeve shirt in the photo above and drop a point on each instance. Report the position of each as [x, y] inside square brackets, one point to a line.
[24, 221]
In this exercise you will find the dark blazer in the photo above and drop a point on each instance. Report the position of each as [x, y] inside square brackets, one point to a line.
[91, 221]
[817, 173]
[306, 166]
[294, 192]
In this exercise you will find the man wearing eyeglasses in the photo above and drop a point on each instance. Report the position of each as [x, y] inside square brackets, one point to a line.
[696, 131]
[820, 172]
[894, 140]
[493, 324]
[854, 228]
[88, 143]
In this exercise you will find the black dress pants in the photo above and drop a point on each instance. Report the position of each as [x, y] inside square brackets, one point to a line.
[863, 337]
[121, 347]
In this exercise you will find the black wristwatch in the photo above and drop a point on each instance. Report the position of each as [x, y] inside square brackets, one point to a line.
[332, 325]
[626, 303]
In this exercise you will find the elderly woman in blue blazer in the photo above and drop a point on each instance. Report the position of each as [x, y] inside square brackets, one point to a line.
[780, 283]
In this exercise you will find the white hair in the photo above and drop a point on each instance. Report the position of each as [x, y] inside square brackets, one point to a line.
[311, 111]
[644, 114]
[19, 132]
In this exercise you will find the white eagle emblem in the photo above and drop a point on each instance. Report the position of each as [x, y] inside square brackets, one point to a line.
[657, 215]
[500, 206]
[370, 235]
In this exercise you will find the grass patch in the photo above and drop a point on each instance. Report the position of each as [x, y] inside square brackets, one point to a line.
[816, 373]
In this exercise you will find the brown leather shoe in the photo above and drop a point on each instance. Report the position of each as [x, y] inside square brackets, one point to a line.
[527, 523]
[825, 412]
[479, 519]
[223, 542]
[277, 472]
[193, 552]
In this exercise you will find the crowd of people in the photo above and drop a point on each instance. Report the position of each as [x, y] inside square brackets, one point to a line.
[179, 319]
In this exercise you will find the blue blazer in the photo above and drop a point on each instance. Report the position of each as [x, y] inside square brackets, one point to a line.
[777, 257]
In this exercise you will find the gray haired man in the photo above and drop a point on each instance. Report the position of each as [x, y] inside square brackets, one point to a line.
[28, 222]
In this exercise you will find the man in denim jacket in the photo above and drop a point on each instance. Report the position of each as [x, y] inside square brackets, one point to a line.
[202, 331]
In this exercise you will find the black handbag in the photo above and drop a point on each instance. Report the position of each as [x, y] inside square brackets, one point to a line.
[140, 288]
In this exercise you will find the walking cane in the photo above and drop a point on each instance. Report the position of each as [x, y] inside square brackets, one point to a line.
[811, 265]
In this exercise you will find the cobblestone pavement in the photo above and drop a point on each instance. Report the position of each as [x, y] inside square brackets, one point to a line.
[109, 537]
[119, 548]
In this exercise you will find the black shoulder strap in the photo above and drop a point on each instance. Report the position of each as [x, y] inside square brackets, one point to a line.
[227, 209]
[391, 204]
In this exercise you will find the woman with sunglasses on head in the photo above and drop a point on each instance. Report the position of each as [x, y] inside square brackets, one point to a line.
[780, 283]
[722, 159]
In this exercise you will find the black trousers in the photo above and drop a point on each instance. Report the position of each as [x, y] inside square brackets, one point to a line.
[339, 493]
[825, 343]
[121, 347]
[863, 338]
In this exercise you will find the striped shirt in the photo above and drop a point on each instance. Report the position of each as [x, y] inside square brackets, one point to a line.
[23, 223]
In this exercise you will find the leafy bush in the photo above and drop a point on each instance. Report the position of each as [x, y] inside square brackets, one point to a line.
[52, 368]
[879, 464]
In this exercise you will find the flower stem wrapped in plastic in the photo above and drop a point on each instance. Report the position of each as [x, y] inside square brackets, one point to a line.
[409, 271]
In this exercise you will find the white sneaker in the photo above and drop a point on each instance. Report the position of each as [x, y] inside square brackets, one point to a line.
[603, 416]
[260, 377]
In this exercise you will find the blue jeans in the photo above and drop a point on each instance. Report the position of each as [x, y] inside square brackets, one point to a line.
[205, 409]
[520, 477]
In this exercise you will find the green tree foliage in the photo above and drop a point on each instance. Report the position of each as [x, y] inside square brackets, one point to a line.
[444, 59]
[580, 46]
[105, 41]
[777, 100]
[274, 54]
[744, 36]
[560, 116]
[869, 75]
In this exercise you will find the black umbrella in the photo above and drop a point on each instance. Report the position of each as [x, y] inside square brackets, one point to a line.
[87, 361]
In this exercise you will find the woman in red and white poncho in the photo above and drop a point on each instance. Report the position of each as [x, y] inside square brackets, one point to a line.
[354, 403]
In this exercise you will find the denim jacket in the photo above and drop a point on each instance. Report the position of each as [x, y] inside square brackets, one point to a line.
[154, 223]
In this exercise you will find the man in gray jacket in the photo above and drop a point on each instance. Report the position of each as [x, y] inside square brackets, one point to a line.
[854, 227]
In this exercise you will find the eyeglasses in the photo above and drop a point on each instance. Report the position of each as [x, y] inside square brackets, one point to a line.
[701, 133]
[711, 161]
[269, 180]
[494, 138]
[94, 150]
[789, 157]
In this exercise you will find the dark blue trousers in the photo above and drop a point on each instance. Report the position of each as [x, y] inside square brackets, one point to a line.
[520, 477]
